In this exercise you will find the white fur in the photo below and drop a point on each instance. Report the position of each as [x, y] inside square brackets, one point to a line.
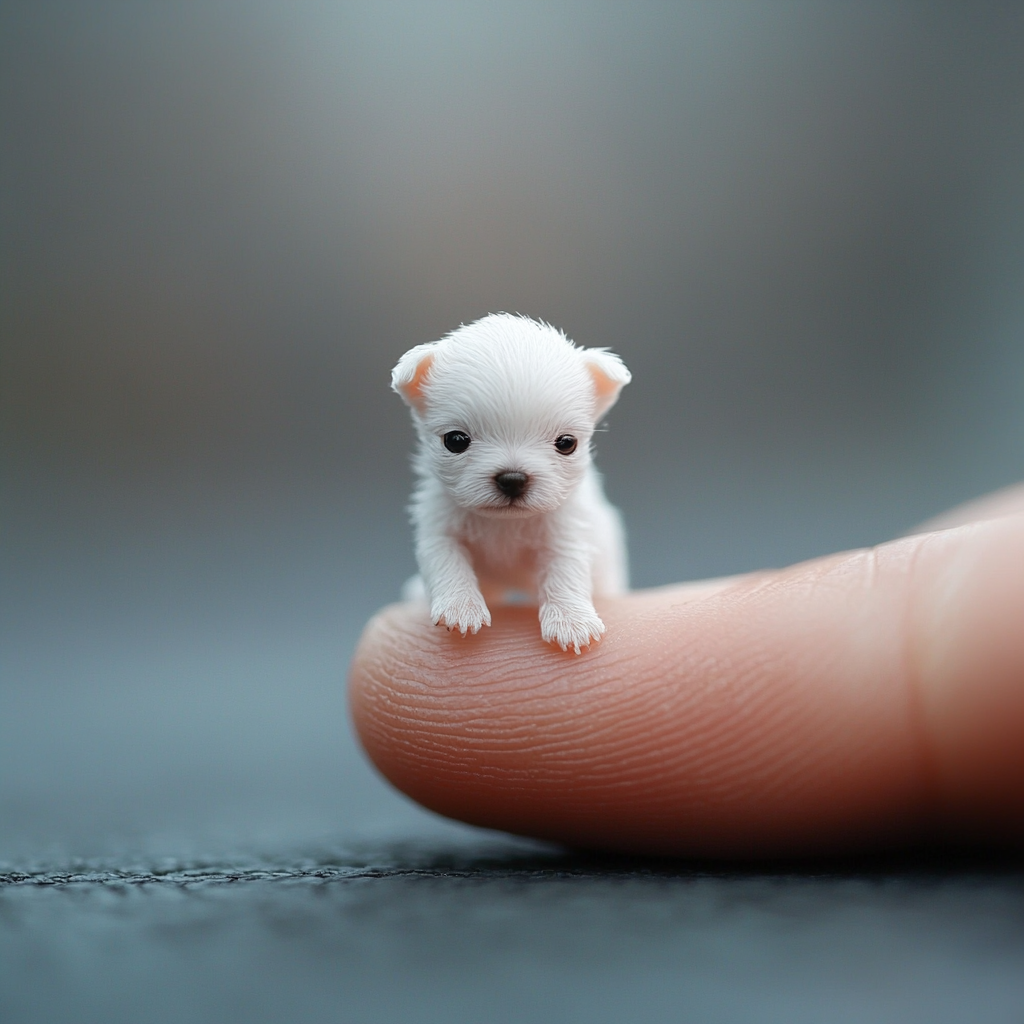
[514, 386]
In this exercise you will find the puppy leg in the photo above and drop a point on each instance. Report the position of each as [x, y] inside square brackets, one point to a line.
[567, 614]
[451, 584]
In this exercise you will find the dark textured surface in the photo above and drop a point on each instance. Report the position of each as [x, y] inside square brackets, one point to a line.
[512, 935]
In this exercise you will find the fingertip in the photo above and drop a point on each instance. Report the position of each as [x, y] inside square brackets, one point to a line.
[697, 724]
[859, 700]
[457, 724]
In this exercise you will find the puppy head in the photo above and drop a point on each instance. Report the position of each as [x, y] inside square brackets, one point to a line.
[505, 409]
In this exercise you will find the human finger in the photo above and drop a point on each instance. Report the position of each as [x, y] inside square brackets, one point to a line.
[1006, 502]
[868, 698]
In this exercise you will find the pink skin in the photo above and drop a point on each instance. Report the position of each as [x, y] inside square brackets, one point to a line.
[862, 700]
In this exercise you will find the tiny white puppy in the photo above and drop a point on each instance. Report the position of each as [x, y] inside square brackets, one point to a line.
[508, 500]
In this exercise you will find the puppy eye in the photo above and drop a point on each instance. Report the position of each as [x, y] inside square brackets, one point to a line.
[566, 444]
[456, 441]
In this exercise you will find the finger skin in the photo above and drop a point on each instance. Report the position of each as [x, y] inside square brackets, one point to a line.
[1006, 502]
[867, 699]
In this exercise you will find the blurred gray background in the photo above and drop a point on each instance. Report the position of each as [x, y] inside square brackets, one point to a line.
[800, 224]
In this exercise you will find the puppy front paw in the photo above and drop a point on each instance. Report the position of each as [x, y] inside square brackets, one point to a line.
[466, 612]
[570, 627]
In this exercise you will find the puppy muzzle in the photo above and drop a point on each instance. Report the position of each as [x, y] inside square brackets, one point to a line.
[512, 483]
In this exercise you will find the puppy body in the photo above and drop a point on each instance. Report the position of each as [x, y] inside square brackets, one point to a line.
[508, 504]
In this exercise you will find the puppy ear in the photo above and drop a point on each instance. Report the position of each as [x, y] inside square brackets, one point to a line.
[610, 376]
[410, 375]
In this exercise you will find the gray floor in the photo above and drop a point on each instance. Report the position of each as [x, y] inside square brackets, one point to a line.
[189, 832]
[497, 934]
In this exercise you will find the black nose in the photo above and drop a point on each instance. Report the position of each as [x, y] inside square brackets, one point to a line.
[511, 482]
